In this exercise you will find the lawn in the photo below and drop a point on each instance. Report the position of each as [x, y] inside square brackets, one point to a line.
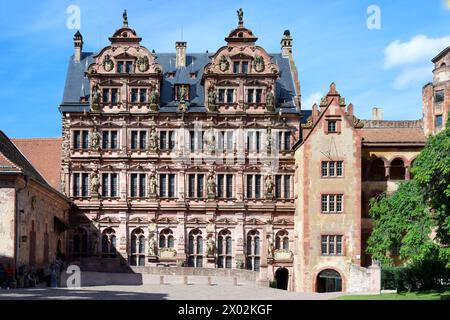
[422, 295]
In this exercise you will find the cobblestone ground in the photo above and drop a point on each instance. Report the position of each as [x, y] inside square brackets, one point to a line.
[197, 289]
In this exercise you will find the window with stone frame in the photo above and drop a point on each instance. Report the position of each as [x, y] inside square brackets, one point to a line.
[137, 248]
[332, 169]
[138, 95]
[283, 140]
[80, 185]
[253, 186]
[283, 186]
[225, 186]
[178, 92]
[167, 140]
[253, 140]
[195, 249]
[110, 185]
[332, 203]
[110, 95]
[253, 250]
[282, 240]
[109, 243]
[225, 141]
[226, 95]
[124, 66]
[110, 139]
[196, 186]
[138, 140]
[166, 239]
[332, 245]
[331, 126]
[80, 140]
[167, 185]
[196, 140]
[438, 122]
[439, 96]
[138, 185]
[224, 250]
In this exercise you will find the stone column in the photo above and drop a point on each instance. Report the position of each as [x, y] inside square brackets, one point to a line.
[180, 236]
[239, 180]
[239, 240]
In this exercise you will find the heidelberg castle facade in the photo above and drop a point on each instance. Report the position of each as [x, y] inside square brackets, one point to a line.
[207, 160]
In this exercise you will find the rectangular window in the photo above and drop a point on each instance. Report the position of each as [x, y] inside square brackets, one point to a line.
[339, 198]
[236, 66]
[250, 141]
[332, 203]
[338, 244]
[331, 245]
[439, 96]
[278, 186]
[258, 141]
[245, 67]
[339, 169]
[77, 139]
[162, 185]
[221, 97]
[105, 96]
[76, 185]
[250, 93]
[134, 95]
[229, 186]
[258, 95]
[200, 179]
[134, 186]
[114, 185]
[143, 96]
[134, 140]
[105, 140]
[220, 184]
[142, 185]
[162, 140]
[109, 139]
[249, 186]
[279, 140]
[114, 95]
[171, 191]
[258, 186]
[192, 141]
[191, 186]
[287, 187]
[105, 185]
[324, 203]
[287, 141]
[230, 95]
[171, 140]
[85, 185]
[332, 169]
[85, 141]
[230, 141]
[129, 67]
[324, 245]
[120, 66]
[331, 126]
[324, 169]
[438, 122]
[109, 185]
[143, 140]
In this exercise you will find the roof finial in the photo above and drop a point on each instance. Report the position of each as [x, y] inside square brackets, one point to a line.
[125, 18]
[240, 14]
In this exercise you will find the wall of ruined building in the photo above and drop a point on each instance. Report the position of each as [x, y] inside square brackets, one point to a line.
[7, 213]
[364, 279]
[310, 223]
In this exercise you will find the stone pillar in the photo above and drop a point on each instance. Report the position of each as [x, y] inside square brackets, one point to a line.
[122, 235]
[407, 173]
[239, 186]
[180, 236]
[239, 235]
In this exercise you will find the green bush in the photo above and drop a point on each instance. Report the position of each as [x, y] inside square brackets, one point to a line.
[273, 284]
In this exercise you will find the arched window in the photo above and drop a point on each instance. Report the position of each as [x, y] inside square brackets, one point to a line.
[109, 243]
[329, 281]
[137, 247]
[224, 250]
[80, 243]
[166, 239]
[282, 240]
[397, 170]
[253, 250]
[377, 170]
[195, 249]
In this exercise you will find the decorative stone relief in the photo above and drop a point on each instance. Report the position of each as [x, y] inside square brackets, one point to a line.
[258, 64]
[143, 64]
[224, 65]
[108, 64]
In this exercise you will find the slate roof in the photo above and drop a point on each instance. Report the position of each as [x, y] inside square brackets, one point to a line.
[77, 85]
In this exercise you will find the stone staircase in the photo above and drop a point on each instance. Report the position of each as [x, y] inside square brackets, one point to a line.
[96, 264]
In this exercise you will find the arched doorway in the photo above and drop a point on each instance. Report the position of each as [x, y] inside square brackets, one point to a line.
[329, 281]
[282, 277]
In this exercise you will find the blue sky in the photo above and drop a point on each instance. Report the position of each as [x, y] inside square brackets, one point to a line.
[384, 67]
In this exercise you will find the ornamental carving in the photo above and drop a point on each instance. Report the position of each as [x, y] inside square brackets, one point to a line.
[143, 64]
[108, 64]
[224, 65]
[258, 64]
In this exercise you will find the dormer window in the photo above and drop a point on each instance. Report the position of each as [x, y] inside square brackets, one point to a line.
[240, 67]
[125, 67]
[236, 66]
[245, 67]
[332, 127]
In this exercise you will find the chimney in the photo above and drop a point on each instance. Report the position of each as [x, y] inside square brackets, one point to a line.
[350, 110]
[286, 44]
[78, 44]
[377, 114]
[181, 54]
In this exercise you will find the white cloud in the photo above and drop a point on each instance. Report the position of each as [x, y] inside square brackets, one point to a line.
[311, 99]
[420, 49]
[413, 77]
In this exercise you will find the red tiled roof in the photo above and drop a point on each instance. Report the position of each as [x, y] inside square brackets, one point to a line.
[45, 155]
[393, 135]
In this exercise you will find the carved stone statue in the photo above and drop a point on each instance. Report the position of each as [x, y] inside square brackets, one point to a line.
[143, 64]
[95, 184]
[270, 248]
[210, 141]
[125, 18]
[153, 185]
[95, 139]
[269, 186]
[154, 97]
[95, 98]
[269, 140]
[240, 14]
[212, 98]
[270, 99]
[183, 94]
[259, 64]
[324, 101]
[223, 64]
[108, 64]
[153, 139]
[152, 246]
[210, 247]
[211, 186]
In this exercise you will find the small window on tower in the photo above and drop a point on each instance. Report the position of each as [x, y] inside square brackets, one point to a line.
[439, 96]
[332, 126]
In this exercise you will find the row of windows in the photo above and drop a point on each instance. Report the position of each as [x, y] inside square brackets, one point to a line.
[332, 203]
[166, 186]
[167, 140]
[331, 245]
[332, 169]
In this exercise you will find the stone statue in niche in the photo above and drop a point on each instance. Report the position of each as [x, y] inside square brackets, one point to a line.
[210, 141]
[270, 101]
[108, 64]
[258, 64]
[212, 98]
[95, 98]
[269, 187]
[211, 186]
[223, 64]
[153, 140]
[269, 140]
[152, 245]
[183, 94]
[95, 139]
[143, 64]
[95, 184]
[210, 246]
[270, 248]
[154, 99]
[153, 185]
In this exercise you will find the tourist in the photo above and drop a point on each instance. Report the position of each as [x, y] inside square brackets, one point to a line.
[53, 277]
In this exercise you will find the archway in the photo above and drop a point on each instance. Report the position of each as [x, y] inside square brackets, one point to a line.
[329, 281]
[282, 277]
